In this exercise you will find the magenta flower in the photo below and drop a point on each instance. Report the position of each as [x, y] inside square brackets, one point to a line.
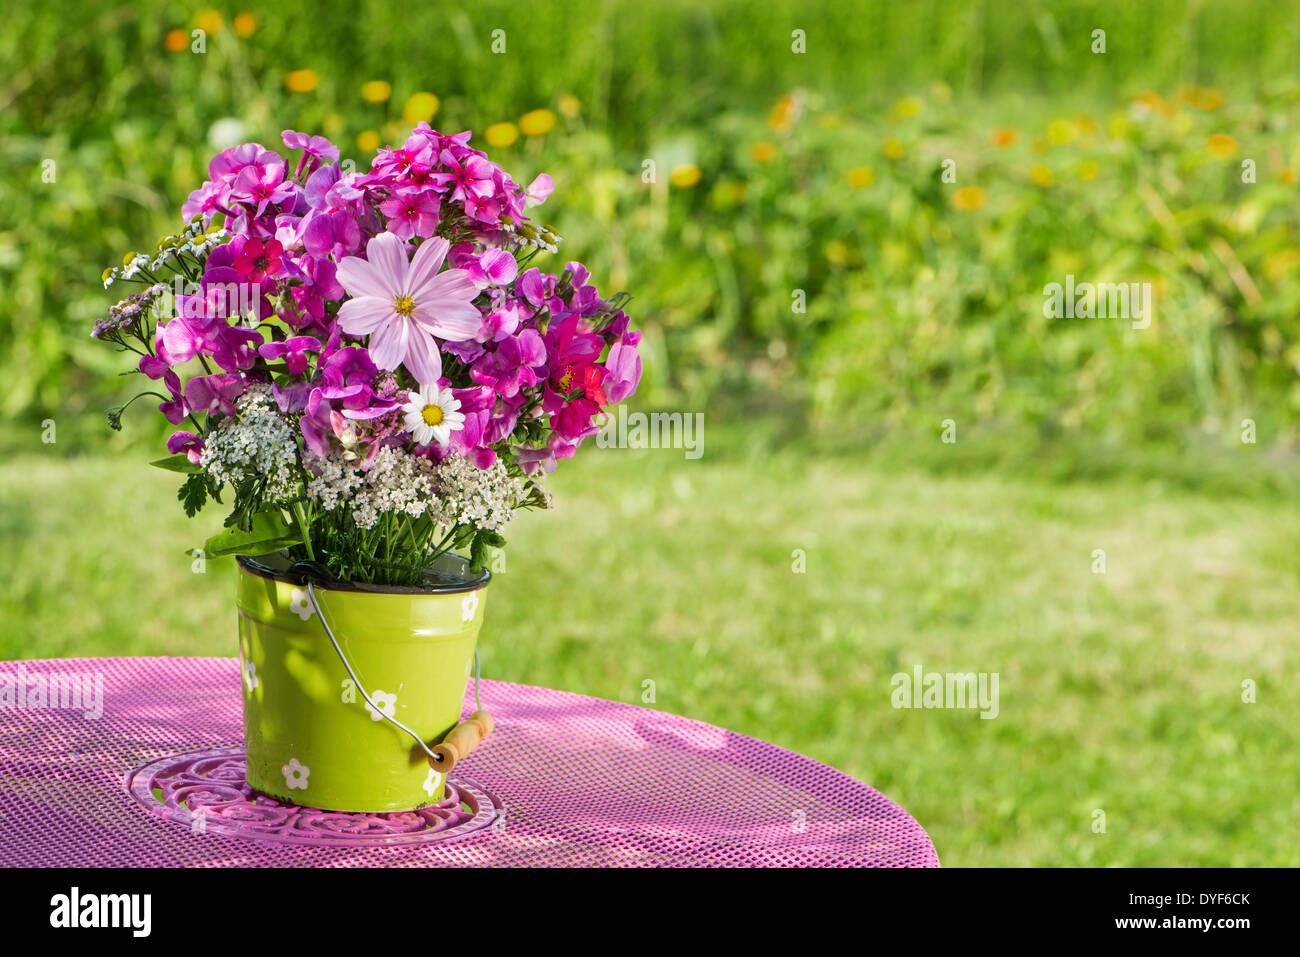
[317, 147]
[403, 304]
[186, 442]
[294, 351]
[411, 214]
[624, 366]
[256, 260]
[215, 393]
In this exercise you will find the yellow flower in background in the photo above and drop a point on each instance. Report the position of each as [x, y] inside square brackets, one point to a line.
[245, 23]
[1287, 176]
[860, 177]
[1059, 132]
[968, 198]
[1041, 175]
[1039, 146]
[301, 81]
[177, 40]
[1221, 144]
[1146, 100]
[893, 149]
[763, 152]
[376, 91]
[501, 135]
[367, 141]
[1118, 126]
[1200, 97]
[210, 21]
[1004, 137]
[837, 254]
[685, 176]
[1089, 169]
[420, 107]
[941, 91]
[830, 120]
[907, 106]
[537, 122]
[1085, 123]
[331, 124]
[568, 105]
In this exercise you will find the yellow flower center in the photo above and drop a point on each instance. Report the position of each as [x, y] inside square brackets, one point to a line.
[432, 415]
[405, 305]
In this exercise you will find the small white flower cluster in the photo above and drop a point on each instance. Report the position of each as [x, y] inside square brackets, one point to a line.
[533, 235]
[256, 440]
[484, 498]
[451, 492]
[192, 240]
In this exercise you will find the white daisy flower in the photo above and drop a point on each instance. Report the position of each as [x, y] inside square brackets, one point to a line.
[432, 415]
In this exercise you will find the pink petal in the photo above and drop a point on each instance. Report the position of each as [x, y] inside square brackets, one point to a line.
[387, 253]
[452, 284]
[423, 358]
[451, 319]
[361, 278]
[389, 344]
[361, 317]
[424, 267]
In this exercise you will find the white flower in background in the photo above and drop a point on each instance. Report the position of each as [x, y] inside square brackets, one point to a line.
[295, 775]
[431, 782]
[468, 605]
[387, 705]
[301, 605]
[227, 131]
[250, 676]
[432, 415]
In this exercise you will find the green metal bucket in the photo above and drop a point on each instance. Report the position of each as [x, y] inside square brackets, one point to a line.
[310, 735]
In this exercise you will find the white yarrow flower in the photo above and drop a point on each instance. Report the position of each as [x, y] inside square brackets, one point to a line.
[432, 415]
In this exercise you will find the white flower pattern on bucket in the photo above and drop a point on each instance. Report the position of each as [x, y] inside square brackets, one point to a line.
[295, 775]
[300, 606]
[387, 704]
[250, 676]
[432, 781]
[468, 606]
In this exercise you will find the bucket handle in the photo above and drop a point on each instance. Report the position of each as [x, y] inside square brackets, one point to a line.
[435, 759]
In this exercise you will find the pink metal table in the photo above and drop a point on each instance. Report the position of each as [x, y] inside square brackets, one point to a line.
[564, 780]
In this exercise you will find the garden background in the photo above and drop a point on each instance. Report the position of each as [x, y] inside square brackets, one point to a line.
[828, 538]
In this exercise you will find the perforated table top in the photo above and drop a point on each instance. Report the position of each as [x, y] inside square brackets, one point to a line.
[564, 780]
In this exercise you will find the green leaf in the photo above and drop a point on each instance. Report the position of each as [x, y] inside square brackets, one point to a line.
[194, 492]
[180, 462]
[268, 533]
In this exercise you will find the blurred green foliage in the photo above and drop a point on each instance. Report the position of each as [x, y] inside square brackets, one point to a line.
[778, 178]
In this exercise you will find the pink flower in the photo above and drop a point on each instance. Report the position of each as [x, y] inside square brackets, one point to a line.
[411, 214]
[186, 442]
[403, 304]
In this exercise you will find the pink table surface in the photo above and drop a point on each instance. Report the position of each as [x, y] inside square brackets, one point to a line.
[584, 782]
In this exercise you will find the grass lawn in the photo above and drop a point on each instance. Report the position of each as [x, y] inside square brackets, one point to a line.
[1119, 692]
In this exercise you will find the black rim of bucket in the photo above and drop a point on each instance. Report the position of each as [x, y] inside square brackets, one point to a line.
[258, 566]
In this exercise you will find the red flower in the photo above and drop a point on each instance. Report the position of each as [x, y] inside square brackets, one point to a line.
[257, 259]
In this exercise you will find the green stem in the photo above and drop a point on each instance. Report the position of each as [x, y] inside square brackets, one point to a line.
[300, 517]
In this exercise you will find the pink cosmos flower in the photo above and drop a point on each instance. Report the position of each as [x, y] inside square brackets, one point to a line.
[403, 304]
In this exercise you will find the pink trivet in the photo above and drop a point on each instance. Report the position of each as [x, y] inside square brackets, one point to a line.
[581, 781]
[205, 790]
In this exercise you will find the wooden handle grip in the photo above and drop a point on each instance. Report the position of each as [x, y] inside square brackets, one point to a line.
[460, 741]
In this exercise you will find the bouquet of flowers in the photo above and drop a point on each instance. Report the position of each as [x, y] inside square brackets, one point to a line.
[367, 363]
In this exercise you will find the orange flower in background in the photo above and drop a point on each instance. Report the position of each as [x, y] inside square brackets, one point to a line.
[177, 40]
[501, 135]
[1039, 146]
[376, 91]
[1089, 169]
[367, 141]
[968, 198]
[1085, 123]
[685, 176]
[783, 113]
[1146, 100]
[763, 152]
[537, 122]
[420, 107]
[893, 149]
[245, 24]
[568, 105]
[1041, 175]
[301, 81]
[1004, 137]
[210, 21]
[1221, 144]
[860, 177]
[1287, 176]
